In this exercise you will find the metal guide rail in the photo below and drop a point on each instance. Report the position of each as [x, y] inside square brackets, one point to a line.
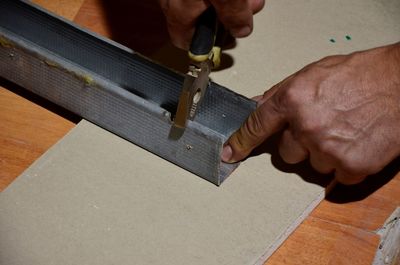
[116, 88]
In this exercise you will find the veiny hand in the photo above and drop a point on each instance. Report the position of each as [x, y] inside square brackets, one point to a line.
[342, 112]
[236, 15]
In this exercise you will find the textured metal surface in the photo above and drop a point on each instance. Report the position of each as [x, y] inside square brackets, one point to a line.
[115, 88]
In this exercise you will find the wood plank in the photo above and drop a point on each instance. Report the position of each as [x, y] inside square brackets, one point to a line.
[368, 213]
[65, 8]
[92, 16]
[298, 246]
[27, 129]
[320, 242]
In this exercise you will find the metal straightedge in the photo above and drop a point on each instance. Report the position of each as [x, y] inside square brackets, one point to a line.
[116, 88]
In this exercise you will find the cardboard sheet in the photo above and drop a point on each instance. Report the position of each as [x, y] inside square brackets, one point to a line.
[96, 199]
[291, 34]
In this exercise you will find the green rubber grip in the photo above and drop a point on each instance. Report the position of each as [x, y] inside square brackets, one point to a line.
[204, 36]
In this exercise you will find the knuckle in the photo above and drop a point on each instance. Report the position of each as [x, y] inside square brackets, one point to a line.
[328, 148]
[281, 102]
[240, 143]
[353, 165]
[250, 133]
[254, 124]
[237, 141]
[356, 170]
[292, 96]
[350, 179]
[310, 126]
[328, 58]
[297, 91]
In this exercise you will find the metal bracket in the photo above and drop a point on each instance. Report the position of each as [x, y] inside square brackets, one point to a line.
[116, 88]
[388, 252]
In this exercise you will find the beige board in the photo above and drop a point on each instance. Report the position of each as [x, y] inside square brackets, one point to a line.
[96, 199]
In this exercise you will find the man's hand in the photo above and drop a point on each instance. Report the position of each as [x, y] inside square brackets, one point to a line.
[236, 15]
[342, 112]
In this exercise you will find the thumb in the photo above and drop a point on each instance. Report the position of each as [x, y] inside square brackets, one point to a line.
[261, 124]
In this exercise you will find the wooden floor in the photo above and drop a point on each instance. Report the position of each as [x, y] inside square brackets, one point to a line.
[339, 231]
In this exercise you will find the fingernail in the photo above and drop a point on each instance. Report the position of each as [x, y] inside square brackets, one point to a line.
[241, 32]
[227, 154]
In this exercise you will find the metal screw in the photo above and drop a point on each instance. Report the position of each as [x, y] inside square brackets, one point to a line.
[167, 115]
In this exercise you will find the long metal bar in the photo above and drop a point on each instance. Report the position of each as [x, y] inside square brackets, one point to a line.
[116, 88]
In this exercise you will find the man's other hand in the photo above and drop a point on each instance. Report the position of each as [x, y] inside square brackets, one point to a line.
[342, 113]
[235, 15]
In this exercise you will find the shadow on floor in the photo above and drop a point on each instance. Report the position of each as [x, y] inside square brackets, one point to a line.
[40, 101]
[340, 193]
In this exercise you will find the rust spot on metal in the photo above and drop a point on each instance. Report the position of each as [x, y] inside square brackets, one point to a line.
[5, 42]
[51, 63]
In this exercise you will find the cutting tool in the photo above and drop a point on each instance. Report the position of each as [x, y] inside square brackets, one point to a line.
[204, 55]
[37, 54]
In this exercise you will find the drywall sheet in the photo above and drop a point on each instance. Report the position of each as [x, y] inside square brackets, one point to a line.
[289, 34]
[96, 199]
